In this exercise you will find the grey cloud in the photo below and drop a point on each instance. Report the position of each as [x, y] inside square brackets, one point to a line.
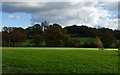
[33, 7]
[65, 13]
[111, 6]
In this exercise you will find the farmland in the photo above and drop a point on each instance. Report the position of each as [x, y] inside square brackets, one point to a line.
[59, 60]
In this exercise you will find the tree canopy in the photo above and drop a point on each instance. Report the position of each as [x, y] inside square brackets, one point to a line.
[55, 35]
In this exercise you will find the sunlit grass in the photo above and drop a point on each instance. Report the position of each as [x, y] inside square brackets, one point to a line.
[59, 60]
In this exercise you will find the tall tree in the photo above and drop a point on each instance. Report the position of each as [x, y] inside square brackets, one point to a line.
[107, 38]
[17, 35]
[6, 36]
[37, 34]
[55, 35]
[29, 32]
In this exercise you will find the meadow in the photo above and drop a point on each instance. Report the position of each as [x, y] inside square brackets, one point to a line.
[59, 60]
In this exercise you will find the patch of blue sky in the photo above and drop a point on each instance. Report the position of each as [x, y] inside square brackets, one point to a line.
[16, 19]
[114, 15]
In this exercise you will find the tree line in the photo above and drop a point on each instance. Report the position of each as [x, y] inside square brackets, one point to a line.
[56, 36]
[108, 37]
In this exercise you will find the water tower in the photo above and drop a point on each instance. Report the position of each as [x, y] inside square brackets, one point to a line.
[44, 25]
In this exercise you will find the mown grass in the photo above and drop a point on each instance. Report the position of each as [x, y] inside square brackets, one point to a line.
[57, 60]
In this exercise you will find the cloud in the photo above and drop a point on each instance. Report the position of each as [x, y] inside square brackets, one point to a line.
[66, 13]
[10, 16]
[59, 0]
[111, 6]
[13, 16]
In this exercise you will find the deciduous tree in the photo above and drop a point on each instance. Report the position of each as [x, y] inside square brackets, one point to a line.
[98, 42]
[17, 35]
[55, 35]
[37, 35]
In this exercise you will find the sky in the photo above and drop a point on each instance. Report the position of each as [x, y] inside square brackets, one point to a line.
[92, 14]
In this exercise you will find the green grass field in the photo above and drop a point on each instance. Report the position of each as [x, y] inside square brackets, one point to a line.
[59, 60]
